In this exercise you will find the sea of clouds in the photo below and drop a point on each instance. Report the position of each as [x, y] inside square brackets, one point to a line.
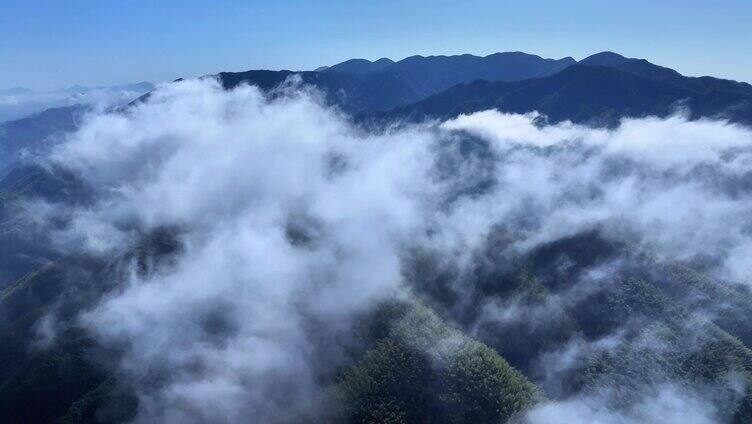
[292, 220]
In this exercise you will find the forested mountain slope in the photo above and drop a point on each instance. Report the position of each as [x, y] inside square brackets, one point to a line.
[210, 254]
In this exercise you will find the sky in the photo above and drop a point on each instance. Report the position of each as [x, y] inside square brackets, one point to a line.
[48, 44]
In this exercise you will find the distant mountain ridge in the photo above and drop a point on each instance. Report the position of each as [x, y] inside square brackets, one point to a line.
[506, 66]
[643, 68]
[33, 135]
[598, 90]
[359, 67]
[363, 86]
[74, 89]
[593, 95]
[20, 102]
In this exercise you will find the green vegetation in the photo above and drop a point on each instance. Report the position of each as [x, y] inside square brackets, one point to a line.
[667, 343]
[45, 385]
[410, 365]
[107, 403]
[422, 370]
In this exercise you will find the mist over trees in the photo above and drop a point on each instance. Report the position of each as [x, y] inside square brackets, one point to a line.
[223, 252]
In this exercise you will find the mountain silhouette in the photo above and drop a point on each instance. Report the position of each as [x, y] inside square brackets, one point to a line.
[358, 85]
[598, 90]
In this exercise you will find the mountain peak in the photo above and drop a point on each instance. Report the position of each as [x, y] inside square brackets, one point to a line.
[384, 61]
[606, 58]
[359, 66]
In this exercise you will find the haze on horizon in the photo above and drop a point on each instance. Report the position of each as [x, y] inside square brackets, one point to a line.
[96, 44]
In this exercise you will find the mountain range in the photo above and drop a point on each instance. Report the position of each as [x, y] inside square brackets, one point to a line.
[358, 85]
[598, 90]
[590, 315]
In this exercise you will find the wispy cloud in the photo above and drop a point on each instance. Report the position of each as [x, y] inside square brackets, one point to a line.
[291, 221]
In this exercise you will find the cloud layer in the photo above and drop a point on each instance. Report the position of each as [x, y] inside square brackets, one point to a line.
[291, 221]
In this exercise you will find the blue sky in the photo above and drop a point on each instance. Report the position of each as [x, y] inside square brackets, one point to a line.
[48, 44]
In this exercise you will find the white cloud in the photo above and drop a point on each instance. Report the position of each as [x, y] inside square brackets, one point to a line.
[669, 404]
[238, 320]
